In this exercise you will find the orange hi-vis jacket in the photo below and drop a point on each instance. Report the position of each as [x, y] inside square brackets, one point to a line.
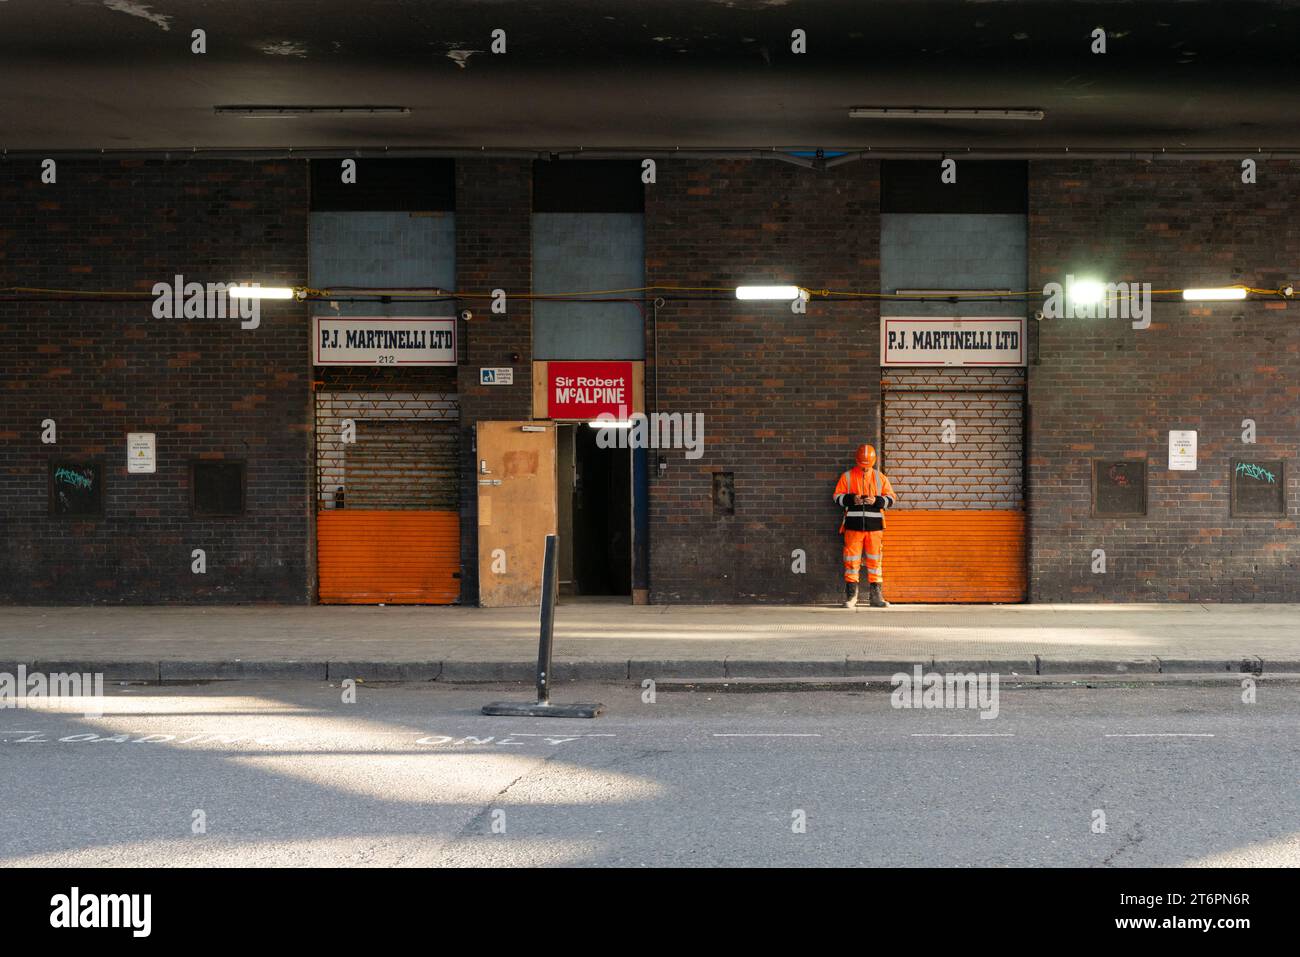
[870, 516]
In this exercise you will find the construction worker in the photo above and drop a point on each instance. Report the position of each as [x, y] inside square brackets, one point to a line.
[864, 494]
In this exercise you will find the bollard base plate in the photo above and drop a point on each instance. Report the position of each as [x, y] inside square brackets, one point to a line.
[535, 709]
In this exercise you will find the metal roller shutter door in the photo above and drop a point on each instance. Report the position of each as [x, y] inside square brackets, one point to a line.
[955, 556]
[388, 525]
[958, 533]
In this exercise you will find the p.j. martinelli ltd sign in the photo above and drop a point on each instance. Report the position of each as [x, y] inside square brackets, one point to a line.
[384, 341]
[956, 341]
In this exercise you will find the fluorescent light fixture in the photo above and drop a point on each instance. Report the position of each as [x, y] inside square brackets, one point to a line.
[1086, 292]
[610, 425]
[940, 113]
[786, 293]
[1227, 292]
[259, 292]
[250, 110]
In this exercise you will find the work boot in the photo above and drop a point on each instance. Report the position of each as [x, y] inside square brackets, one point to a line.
[850, 594]
[877, 599]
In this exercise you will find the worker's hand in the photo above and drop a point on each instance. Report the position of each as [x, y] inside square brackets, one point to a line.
[857, 499]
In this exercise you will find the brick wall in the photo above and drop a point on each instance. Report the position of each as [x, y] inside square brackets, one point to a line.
[206, 387]
[785, 398]
[1103, 389]
[493, 251]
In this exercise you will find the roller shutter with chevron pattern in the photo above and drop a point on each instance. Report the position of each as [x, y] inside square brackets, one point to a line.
[953, 446]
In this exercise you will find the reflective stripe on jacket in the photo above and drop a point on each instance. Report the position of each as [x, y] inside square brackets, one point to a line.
[868, 482]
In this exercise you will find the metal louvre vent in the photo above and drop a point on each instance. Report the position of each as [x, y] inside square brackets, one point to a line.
[403, 452]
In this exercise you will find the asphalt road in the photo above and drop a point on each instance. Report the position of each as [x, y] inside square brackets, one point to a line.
[289, 774]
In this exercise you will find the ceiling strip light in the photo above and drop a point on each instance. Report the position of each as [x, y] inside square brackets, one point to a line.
[309, 110]
[940, 113]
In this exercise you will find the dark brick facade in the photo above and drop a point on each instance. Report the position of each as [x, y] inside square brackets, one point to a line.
[493, 251]
[207, 388]
[785, 398]
[1103, 389]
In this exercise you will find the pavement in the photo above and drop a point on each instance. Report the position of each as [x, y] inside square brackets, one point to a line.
[266, 773]
[607, 641]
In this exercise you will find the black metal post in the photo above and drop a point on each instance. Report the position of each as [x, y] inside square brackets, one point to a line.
[542, 707]
[547, 629]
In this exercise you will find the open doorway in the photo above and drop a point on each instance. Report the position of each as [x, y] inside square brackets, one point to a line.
[594, 491]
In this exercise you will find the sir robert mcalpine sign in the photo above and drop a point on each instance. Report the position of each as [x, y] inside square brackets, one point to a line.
[952, 341]
[585, 390]
[384, 341]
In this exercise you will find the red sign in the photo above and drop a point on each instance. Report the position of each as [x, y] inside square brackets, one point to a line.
[583, 390]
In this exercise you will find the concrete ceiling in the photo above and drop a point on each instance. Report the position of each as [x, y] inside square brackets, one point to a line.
[119, 74]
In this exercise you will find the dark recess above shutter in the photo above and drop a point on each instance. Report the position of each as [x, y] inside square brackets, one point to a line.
[588, 186]
[914, 186]
[384, 185]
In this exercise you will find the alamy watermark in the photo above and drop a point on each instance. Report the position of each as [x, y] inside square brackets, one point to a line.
[133, 912]
[196, 300]
[658, 430]
[54, 690]
[1090, 299]
[974, 690]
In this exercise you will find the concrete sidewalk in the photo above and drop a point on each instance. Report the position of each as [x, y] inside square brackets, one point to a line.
[606, 641]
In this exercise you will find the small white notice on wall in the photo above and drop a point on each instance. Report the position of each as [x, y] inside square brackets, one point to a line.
[140, 452]
[1182, 451]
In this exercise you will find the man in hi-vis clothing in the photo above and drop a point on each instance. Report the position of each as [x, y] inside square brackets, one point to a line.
[864, 494]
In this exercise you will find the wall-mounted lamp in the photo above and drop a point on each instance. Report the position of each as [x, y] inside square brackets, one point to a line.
[1215, 295]
[780, 293]
[260, 292]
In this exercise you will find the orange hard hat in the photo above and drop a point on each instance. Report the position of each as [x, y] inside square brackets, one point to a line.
[866, 456]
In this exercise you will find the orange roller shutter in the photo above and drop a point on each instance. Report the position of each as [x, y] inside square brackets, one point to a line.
[399, 556]
[950, 555]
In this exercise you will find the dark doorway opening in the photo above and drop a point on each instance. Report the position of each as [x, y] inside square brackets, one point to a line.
[595, 515]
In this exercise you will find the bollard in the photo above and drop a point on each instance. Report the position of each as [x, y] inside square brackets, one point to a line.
[542, 707]
[550, 590]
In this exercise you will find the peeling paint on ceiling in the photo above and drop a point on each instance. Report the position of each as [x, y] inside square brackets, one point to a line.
[139, 10]
[296, 48]
[462, 56]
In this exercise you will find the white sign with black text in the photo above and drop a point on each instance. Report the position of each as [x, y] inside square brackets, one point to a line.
[504, 375]
[952, 341]
[140, 455]
[384, 341]
[1182, 451]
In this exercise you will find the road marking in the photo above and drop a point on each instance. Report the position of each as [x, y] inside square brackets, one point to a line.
[767, 735]
[1165, 735]
[937, 735]
[326, 738]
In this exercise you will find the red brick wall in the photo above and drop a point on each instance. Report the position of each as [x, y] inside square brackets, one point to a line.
[785, 398]
[1103, 389]
[207, 388]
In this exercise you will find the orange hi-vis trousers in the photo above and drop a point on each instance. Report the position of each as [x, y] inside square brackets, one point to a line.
[860, 545]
